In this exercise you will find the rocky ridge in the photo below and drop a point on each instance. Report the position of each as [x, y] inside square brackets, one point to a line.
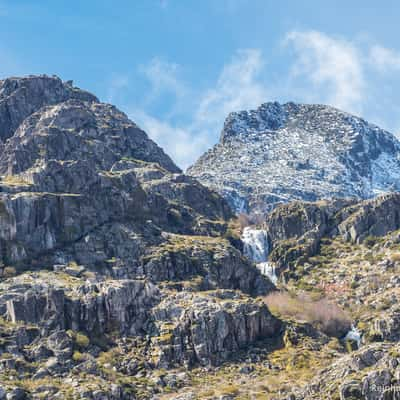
[109, 254]
[294, 151]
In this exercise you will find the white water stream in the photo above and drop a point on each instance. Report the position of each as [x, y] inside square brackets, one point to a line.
[354, 334]
[256, 249]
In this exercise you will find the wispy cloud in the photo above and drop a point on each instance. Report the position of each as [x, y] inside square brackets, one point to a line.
[163, 77]
[384, 59]
[321, 69]
[183, 143]
[331, 66]
[238, 87]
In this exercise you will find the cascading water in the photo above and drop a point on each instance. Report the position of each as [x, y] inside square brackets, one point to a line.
[355, 335]
[268, 269]
[255, 244]
[256, 249]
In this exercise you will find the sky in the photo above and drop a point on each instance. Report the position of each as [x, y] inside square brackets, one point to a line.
[178, 67]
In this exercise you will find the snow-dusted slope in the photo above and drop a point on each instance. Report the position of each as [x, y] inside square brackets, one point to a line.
[279, 153]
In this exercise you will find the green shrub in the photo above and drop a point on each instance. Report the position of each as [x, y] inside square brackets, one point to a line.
[78, 356]
[81, 340]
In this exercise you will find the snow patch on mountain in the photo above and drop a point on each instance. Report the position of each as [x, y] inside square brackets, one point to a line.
[280, 153]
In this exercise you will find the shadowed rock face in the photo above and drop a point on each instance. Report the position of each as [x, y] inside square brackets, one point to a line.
[97, 308]
[284, 152]
[106, 237]
[230, 325]
[295, 230]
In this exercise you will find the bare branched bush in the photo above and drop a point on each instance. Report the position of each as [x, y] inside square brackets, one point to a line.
[323, 314]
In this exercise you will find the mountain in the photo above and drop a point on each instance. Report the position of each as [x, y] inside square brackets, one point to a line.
[114, 266]
[283, 152]
[121, 278]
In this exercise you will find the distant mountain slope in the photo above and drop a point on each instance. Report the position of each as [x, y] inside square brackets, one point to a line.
[279, 153]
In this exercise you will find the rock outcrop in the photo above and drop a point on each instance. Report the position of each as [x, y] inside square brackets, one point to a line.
[21, 97]
[94, 308]
[284, 152]
[370, 373]
[122, 278]
[206, 329]
[295, 230]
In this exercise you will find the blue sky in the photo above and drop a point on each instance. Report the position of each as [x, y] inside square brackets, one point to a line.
[178, 67]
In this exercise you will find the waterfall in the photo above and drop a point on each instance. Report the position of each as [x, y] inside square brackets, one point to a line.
[255, 244]
[256, 249]
[268, 269]
[354, 334]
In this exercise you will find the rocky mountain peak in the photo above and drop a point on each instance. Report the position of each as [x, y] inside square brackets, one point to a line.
[283, 152]
[269, 116]
[20, 97]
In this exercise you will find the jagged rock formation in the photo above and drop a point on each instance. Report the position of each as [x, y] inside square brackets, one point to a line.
[210, 327]
[295, 230]
[355, 263]
[122, 305]
[104, 245]
[280, 153]
[21, 97]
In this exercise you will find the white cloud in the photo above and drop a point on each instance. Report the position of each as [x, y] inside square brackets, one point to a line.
[238, 87]
[163, 77]
[332, 65]
[322, 69]
[182, 144]
[384, 59]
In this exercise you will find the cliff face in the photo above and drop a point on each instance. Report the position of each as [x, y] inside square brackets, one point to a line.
[106, 247]
[283, 152]
[296, 230]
